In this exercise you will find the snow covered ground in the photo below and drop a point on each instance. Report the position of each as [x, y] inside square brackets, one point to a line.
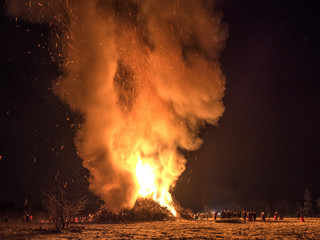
[180, 229]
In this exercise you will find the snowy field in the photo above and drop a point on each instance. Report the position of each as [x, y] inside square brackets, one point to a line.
[184, 229]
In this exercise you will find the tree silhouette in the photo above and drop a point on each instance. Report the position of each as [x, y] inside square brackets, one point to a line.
[307, 205]
[318, 205]
[61, 206]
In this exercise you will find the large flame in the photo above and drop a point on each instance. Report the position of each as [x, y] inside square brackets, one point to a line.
[150, 186]
[145, 75]
[146, 178]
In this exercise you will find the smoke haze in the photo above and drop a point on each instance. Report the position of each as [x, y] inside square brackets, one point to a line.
[146, 77]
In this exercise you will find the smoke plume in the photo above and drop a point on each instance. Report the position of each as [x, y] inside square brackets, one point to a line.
[146, 77]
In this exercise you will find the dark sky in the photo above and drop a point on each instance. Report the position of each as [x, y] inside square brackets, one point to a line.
[266, 146]
[267, 142]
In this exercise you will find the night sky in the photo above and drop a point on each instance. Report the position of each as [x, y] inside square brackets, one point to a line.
[266, 146]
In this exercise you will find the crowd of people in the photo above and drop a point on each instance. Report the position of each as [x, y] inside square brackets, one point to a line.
[226, 214]
[27, 218]
[5, 219]
[246, 215]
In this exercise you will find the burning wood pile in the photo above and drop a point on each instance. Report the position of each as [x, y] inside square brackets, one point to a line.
[145, 209]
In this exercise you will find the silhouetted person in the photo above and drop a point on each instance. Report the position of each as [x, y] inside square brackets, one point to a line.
[222, 214]
[245, 215]
[215, 215]
[263, 217]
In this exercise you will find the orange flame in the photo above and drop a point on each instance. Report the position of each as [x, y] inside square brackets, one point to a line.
[146, 177]
[146, 76]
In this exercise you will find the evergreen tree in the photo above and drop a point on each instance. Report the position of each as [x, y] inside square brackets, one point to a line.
[318, 205]
[307, 205]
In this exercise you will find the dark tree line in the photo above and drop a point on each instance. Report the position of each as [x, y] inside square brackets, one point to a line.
[308, 209]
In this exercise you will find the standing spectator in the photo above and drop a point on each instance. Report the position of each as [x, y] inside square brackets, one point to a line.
[245, 215]
[215, 215]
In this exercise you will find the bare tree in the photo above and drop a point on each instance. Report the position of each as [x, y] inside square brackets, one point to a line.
[61, 206]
